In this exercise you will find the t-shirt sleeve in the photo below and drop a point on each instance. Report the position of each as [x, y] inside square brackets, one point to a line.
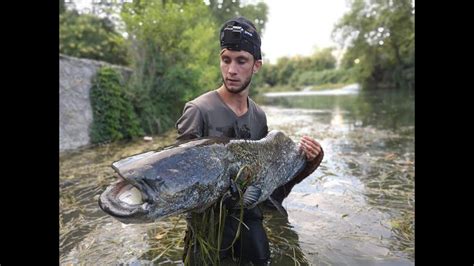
[190, 124]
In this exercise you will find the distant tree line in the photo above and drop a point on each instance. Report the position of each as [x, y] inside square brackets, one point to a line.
[378, 38]
[299, 72]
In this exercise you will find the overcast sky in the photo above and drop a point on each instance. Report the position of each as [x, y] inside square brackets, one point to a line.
[296, 27]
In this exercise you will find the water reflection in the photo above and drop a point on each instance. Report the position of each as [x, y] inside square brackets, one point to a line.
[337, 119]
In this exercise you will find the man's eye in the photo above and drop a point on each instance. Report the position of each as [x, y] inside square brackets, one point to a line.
[242, 62]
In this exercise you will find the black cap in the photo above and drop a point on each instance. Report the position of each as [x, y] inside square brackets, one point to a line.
[240, 34]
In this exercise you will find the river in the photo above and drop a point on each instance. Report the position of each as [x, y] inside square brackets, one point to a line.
[357, 208]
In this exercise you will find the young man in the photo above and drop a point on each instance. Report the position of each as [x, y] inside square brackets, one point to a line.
[228, 111]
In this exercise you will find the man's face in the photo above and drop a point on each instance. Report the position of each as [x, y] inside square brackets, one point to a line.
[237, 68]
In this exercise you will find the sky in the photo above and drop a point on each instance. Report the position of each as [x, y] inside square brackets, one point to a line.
[293, 27]
[297, 27]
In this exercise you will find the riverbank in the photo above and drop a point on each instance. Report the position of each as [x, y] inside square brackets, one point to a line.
[285, 88]
[345, 90]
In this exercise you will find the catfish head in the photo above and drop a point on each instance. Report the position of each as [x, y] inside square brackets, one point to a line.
[154, 185]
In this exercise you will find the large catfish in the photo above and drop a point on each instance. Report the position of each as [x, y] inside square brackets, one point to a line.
[194, 175]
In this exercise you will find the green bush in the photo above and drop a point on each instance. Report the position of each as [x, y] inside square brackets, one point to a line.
[113, 115]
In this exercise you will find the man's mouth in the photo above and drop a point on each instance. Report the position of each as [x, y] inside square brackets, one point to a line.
[233, 80]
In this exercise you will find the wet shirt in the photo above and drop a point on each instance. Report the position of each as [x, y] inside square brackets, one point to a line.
[208, 115]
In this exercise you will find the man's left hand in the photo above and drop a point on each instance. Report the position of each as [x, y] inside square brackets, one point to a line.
[310, 147]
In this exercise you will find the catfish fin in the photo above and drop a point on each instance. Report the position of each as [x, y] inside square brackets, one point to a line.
[251, 196]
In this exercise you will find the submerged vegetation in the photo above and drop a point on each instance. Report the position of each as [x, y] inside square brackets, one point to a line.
[404, 228]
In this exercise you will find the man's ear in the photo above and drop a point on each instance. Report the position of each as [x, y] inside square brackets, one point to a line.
[257, 66]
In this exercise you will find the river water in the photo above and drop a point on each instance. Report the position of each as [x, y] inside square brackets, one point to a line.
[357, 208]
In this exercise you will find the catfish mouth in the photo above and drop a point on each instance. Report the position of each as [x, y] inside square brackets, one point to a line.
[125, 202]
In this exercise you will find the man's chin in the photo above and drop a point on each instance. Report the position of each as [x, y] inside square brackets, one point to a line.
[234, 89]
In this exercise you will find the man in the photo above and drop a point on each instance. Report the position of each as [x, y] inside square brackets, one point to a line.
[228, 111]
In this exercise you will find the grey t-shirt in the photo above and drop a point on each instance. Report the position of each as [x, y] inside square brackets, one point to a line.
[208, 115]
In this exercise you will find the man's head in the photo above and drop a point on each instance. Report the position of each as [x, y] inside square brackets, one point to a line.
[240, 34]
[240, 53]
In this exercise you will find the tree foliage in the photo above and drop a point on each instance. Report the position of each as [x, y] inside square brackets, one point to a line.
[175, 53]
[300, 71]
[88, 36]
[173, 48]
[113, 115]
[175, 57]
[381, 38]
[223, 10]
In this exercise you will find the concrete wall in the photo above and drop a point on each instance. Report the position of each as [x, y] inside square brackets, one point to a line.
[75, 112]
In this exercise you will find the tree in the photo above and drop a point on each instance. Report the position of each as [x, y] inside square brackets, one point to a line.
[88, 36]
[321, 60]
[174, 51]
[223, 10]
[301, 71]
[380, 39]
[173, 48]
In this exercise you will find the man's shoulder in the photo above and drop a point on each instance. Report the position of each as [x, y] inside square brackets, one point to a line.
[257, 109]
[204, 100]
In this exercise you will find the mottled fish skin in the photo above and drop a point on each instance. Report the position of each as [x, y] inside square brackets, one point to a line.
[194, 175]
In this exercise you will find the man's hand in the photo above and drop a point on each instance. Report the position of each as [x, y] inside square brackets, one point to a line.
[310, 147]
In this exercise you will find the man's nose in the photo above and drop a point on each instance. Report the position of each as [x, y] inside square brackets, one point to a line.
[232, 68]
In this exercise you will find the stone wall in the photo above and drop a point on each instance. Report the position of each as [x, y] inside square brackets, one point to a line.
[75, 112]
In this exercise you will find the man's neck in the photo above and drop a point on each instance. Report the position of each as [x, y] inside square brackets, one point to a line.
[236, 101]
